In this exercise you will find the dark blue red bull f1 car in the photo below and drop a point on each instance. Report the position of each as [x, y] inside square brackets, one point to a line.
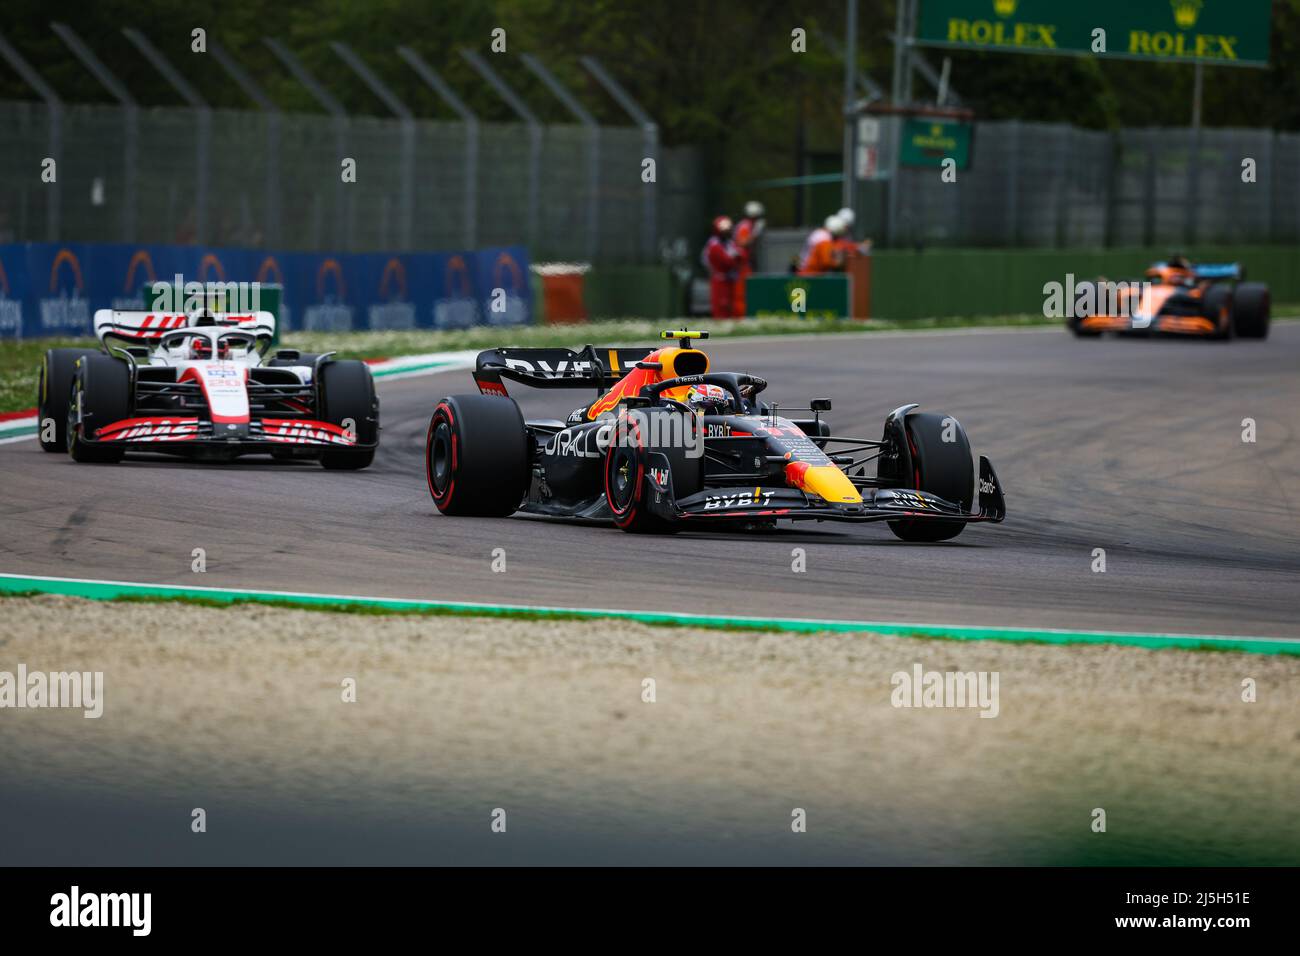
[668, 444]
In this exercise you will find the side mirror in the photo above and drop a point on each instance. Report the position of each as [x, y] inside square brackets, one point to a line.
[820, 404]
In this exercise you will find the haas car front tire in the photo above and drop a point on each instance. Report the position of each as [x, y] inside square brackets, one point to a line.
[943, 468]
[476, 456]
[52, 395]
[100, 394]
[347, 395]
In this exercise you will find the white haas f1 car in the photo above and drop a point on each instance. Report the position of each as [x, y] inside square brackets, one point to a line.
[202, 385]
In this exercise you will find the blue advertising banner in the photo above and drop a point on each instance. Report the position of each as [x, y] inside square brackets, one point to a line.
[49, 289]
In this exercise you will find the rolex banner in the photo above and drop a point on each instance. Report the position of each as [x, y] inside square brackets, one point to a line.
[1225, 32]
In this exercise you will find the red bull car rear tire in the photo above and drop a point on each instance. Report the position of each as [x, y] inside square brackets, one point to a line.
[476, 456]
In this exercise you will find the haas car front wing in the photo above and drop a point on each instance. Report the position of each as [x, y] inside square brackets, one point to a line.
[762, 502]
[223, 408]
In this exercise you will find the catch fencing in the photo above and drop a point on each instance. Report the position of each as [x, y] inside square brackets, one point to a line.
[1054, 185]
[248, 179]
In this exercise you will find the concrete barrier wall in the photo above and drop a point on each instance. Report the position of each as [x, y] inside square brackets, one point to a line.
[955, 282]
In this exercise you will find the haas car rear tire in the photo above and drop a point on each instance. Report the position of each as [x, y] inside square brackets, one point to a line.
[57, 370]
[943, 468]
[1250, 310]
[476, 456]
[347, 395]
[627, 466]
[101, 392]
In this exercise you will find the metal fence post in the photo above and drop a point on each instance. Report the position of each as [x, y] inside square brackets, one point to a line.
[131, 122]
[1063, 187]
[439, 86]
[407, 118]
[1270, 229]
[534, 138]
[340, 116]
[593, 147]
[1013, 184]
[1114, 147]
[1149, 210]
[258, 96]
[203, 113]
[650, 134]
[54, 131]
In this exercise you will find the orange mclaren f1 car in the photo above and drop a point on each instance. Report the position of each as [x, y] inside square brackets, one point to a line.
[1176, 298]
[668, 443]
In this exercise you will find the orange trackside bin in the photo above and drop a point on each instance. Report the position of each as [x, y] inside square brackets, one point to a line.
[562, 293]
[859, 270]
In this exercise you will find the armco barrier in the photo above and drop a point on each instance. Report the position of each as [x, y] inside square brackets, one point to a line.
[54, 289]
[947, 282]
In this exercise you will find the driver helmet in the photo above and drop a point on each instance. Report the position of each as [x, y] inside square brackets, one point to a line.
[201, 348]
[709, 399]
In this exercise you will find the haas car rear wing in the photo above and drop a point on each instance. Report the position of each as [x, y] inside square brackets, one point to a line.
[594, 367]
[148, 327]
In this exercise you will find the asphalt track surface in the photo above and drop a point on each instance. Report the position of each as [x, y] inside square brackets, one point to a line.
[1131, 446]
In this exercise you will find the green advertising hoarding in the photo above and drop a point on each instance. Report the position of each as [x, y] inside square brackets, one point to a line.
[773, 296]
[928, 142]
[1221, 32]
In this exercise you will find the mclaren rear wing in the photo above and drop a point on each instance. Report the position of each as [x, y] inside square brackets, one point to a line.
[1220, 270]
[595, 367]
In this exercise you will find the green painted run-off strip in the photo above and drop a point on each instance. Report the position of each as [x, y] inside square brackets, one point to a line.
[111, 590]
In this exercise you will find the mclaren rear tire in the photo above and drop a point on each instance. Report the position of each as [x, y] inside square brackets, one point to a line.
[347, 397]
[1074, 321]
[1251, 307]
[941, 465]
[101, 393]
[476, 456]
[1219, 307]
